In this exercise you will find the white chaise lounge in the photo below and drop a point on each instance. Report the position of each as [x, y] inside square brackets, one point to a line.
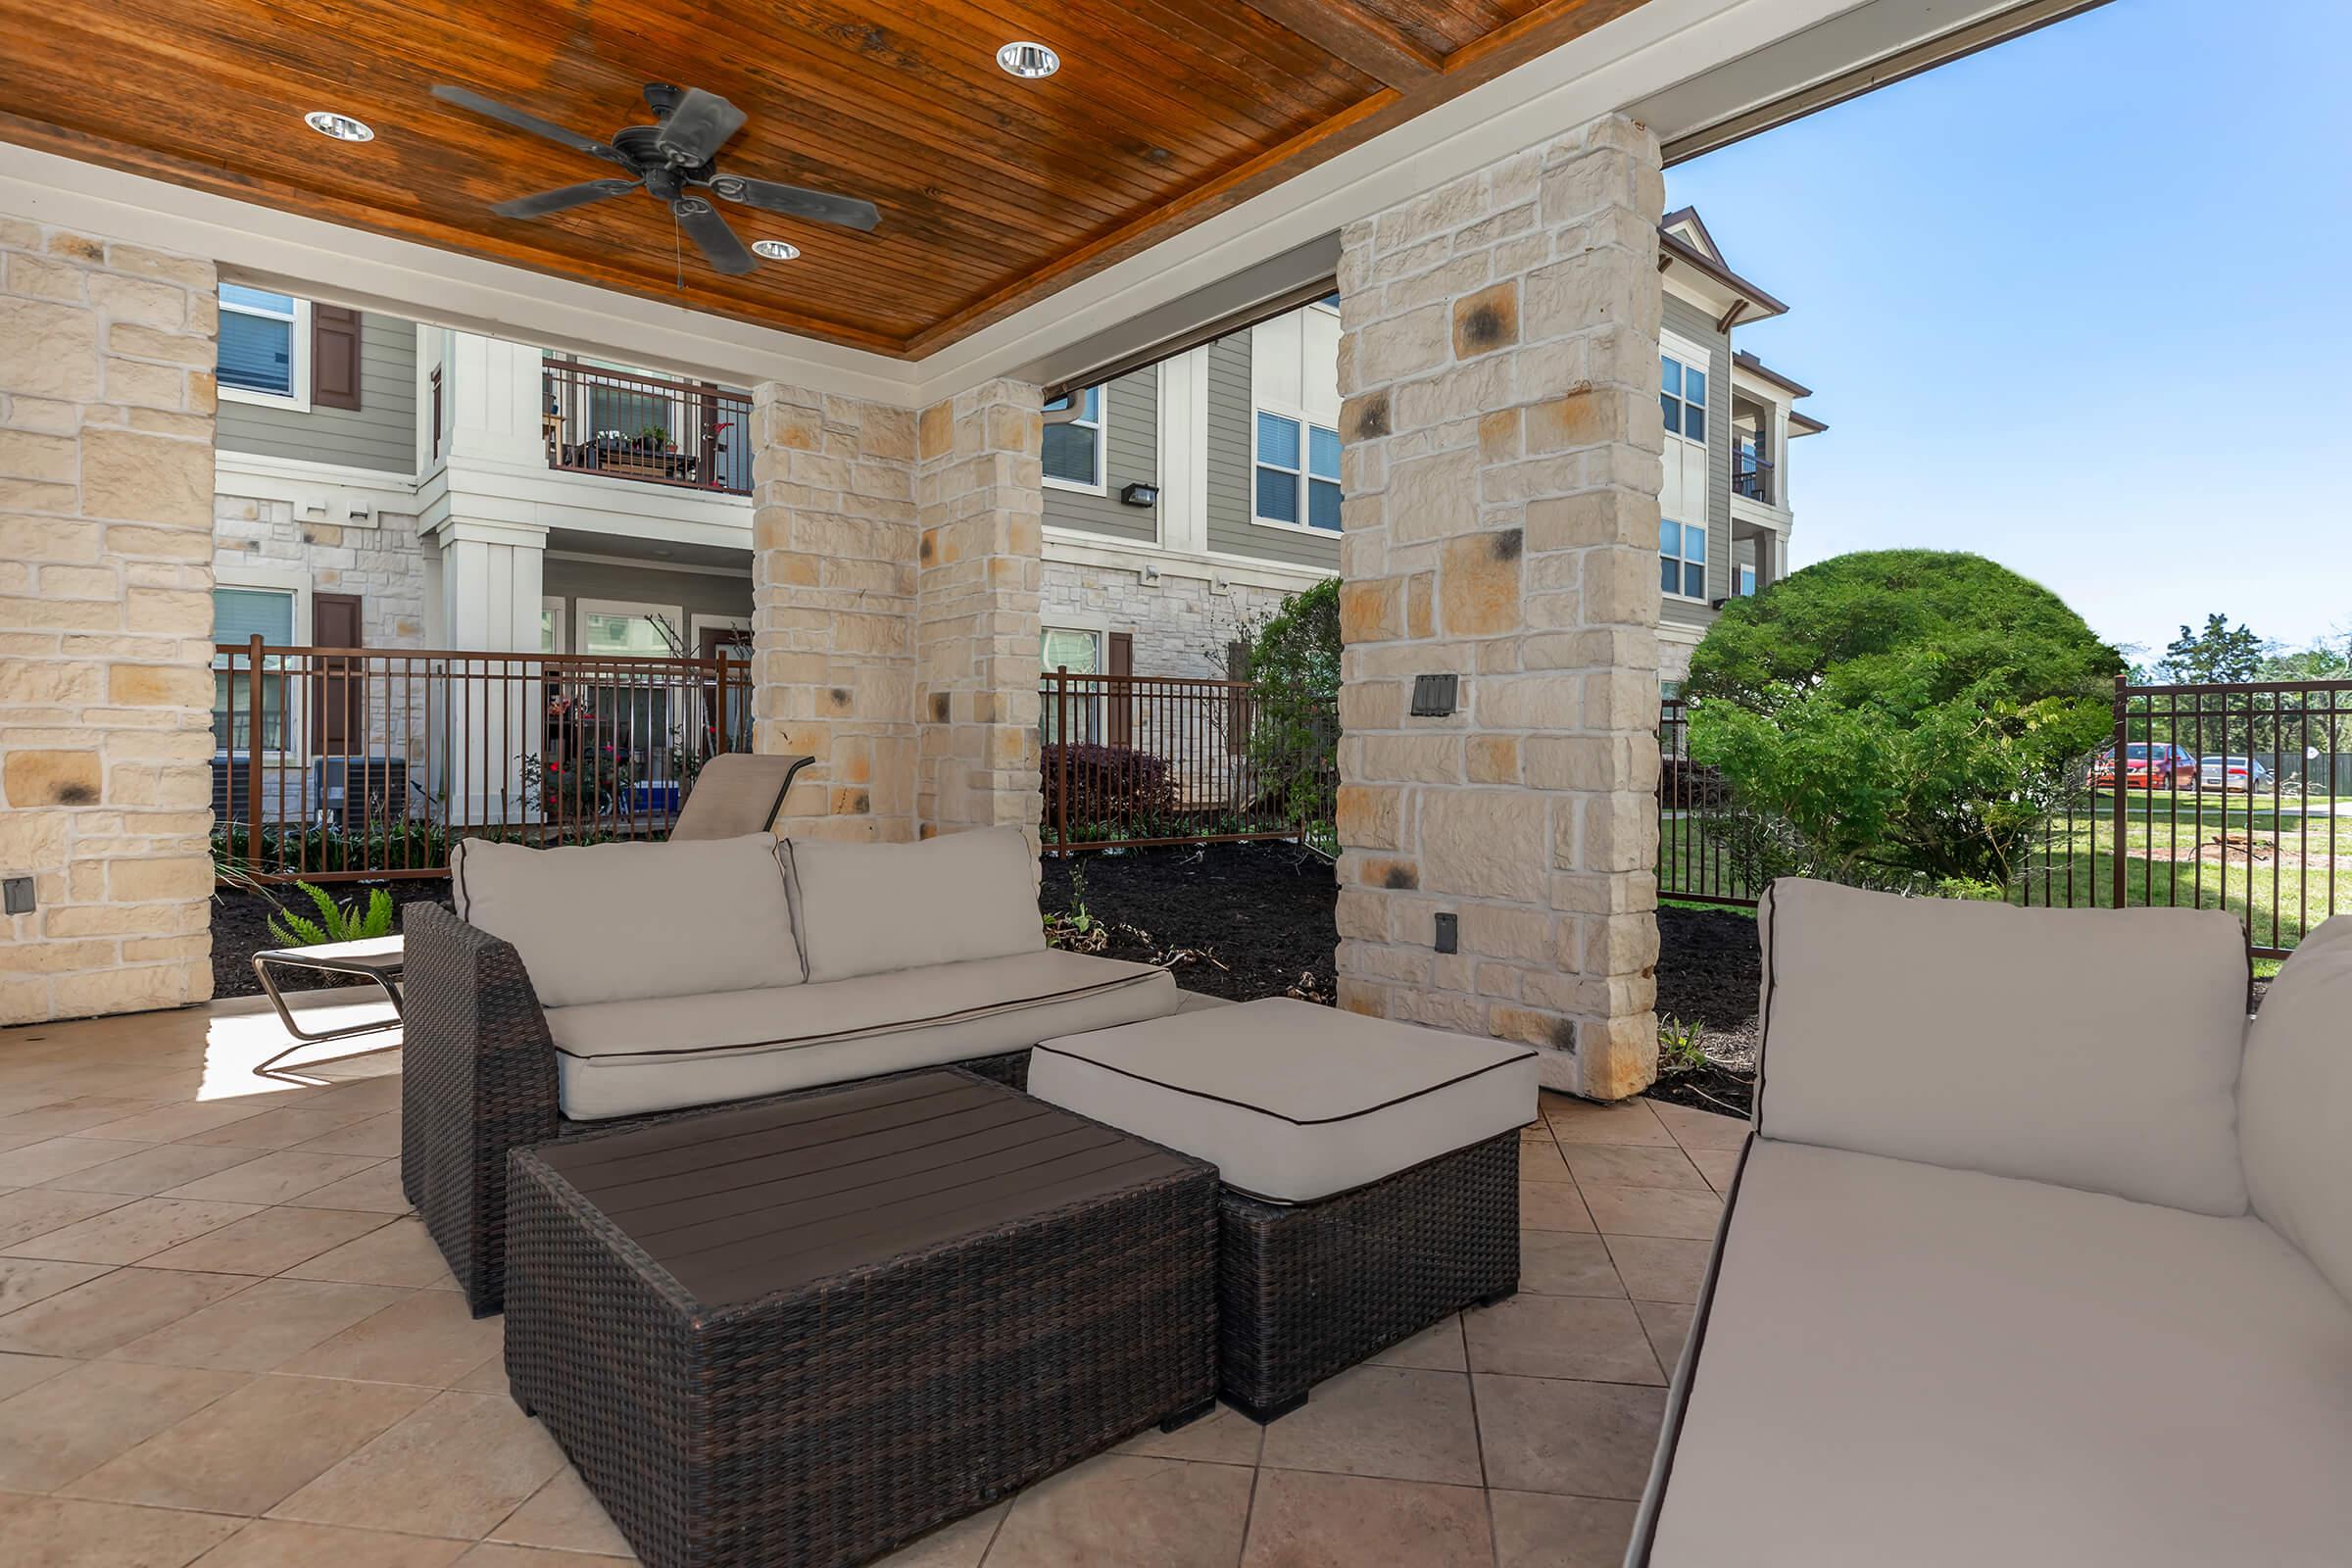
[2037, 1254]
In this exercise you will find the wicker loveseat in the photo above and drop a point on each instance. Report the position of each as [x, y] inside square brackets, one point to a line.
[2037, 1253]
[598, 985]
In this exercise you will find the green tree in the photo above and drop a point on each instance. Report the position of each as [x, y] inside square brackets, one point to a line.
[2219, 652]
[1898, 714]
[1294, 657]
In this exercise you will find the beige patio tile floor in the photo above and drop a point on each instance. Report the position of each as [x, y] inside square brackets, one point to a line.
[223, 1341]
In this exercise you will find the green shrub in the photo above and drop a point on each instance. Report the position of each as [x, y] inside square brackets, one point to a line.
[336, 922]
[1293, 746]
[1897, 716]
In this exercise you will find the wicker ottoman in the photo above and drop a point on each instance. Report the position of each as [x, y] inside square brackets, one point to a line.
[808, 1330]
[1370, 1172]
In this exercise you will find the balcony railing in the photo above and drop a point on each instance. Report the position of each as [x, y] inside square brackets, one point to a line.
[1751, 477]
[652, 429]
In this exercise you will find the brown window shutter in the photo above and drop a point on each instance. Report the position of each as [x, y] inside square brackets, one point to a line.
[334, 356]
[338, 689]
[1122, 699]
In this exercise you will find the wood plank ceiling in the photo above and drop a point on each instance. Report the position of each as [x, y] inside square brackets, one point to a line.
[994, 191]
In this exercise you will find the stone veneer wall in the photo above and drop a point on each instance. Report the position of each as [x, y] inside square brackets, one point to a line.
[105, 616]
[383, 565]
[1180, 624]
[833, 597]
[1499, 364]
[894, 593]
[980, 500]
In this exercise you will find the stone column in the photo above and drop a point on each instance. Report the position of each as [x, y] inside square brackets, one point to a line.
[833, 593]
[980, 500]
[105, 622]
[1502, 474]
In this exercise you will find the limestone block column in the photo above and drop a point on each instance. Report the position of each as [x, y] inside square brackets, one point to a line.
[979, 498]
[106, 622]
[833, 593]
[1499, 364]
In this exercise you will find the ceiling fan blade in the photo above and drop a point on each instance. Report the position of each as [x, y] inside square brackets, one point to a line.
[697, 126]
[556, 201]
[797, 201]
[507, 113]
[702, 225]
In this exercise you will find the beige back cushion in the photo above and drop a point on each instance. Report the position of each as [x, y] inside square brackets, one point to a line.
[613, 922]
[2295, 1103]
[865, 908]
[2097, 1049]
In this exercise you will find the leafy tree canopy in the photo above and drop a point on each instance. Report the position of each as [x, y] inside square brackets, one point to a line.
[2220, 652]
[1900, 713]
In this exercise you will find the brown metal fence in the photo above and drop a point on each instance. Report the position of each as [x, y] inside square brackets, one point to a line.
[2233, 796]
[342, 764]
[1130, 761]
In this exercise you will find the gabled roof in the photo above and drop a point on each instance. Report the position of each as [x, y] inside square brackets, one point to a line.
[1688, 253]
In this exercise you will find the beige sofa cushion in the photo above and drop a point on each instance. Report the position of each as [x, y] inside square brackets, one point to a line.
[870, 907]
[604, 922]
[2094, 1048]
[624, 1058]
[1292, 1101]
[2296, 1102]
[1904, 1364]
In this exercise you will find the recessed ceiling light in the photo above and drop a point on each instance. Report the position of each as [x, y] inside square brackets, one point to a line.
[775, 250]
[1029, 60]
[326, 123]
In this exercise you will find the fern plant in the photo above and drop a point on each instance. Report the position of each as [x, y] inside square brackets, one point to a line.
[351, 922]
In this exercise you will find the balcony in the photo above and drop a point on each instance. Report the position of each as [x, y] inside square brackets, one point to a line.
[648, 429]
[1752, 474]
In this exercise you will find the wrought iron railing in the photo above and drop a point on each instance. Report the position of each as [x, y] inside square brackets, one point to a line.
[341, 763]
[648, 428]
[1129, 761]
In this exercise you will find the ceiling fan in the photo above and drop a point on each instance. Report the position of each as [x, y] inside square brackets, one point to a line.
[668, 161]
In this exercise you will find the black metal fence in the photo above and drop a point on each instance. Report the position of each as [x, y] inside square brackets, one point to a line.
[2233, 796]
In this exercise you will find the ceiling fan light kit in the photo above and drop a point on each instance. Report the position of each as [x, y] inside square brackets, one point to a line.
[671, 160]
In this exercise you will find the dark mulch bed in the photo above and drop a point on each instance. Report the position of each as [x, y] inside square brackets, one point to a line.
[1236, 920]
[1709, 976]
[241, 926]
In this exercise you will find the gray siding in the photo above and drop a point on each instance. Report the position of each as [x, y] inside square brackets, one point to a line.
[692, 593]
[381, 434]
[1132, 406]
[1686, 320]
[1230, 530]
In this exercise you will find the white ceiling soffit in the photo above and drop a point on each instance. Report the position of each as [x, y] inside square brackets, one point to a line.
[1872, 46]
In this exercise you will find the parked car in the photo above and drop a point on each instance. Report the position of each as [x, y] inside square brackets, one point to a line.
[2148, 765]
[2233, 773]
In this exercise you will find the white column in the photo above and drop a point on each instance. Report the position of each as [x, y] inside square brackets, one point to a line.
[1184, 452]
[489, 721]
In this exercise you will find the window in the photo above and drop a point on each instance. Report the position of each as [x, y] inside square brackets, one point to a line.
[551, 626]
[625, 710]
[1682, 560]
[1748, 583]
[1682, 542]
[1296, 488]
[238, 614]
[1075, 447]
[265, 347]
[1683, 396]
[1080, 652]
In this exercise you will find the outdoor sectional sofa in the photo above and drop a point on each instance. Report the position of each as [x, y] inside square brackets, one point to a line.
[2036, 1252]
[594, 986]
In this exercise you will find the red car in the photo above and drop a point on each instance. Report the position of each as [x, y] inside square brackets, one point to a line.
[2148, 765]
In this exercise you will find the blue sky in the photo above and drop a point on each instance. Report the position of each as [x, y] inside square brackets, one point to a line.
[2082, 303]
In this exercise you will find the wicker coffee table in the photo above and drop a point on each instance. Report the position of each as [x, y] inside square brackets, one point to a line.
[805, 1330]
